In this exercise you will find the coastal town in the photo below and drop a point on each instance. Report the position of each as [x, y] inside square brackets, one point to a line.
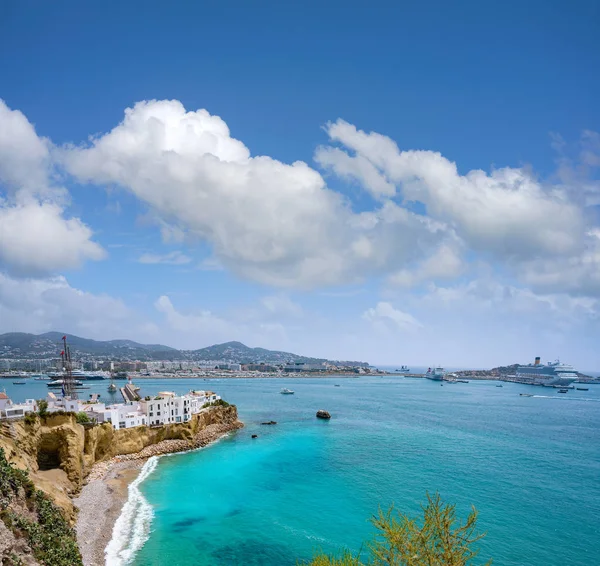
[162, 409]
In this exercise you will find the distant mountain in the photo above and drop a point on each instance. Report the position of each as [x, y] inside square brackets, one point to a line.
[237, 352]
[48, 345]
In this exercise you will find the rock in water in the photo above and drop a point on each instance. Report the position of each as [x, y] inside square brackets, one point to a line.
[323, 415]
[255, 436]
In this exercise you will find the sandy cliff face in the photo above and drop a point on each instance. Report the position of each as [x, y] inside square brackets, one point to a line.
[58, 453]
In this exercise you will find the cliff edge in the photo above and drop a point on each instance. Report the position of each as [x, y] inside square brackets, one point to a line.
[58, 453]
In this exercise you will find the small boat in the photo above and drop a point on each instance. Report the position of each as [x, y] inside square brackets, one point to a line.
[582, 389]
[19, 382]
[286, 391]
[112, 388]
[563, 390]
[499, 385]
[336, 385]
[525, 394]
[323, 414]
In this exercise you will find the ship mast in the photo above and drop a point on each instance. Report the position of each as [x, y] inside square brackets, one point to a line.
[68, 382]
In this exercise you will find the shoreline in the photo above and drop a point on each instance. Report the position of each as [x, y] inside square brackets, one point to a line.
[106, 489]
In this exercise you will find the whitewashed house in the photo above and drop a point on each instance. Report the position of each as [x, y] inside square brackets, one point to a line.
[168, 408]
[10, 410]
[125, 415]
[165, 408]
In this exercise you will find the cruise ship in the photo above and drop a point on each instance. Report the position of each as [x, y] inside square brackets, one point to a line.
[550, 374]
[437, 373]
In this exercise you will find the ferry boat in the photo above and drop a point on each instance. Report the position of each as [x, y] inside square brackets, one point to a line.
[437, 373]
[552, 373]
[403, 369]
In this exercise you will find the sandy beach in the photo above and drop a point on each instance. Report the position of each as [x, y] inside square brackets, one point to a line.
[106, 490]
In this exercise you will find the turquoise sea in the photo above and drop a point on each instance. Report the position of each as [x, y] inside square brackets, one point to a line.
[531, 466]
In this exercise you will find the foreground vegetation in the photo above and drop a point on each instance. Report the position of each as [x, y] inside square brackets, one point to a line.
[30, 515]
[440, 539]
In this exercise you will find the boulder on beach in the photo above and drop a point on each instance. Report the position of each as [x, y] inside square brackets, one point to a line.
[323, 414]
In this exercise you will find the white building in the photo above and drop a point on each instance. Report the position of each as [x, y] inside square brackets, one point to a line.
[165, 408]
[10, 410]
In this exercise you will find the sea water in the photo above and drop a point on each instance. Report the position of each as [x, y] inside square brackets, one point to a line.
[530, 465]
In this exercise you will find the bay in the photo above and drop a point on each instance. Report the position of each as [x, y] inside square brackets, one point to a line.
[529, 464]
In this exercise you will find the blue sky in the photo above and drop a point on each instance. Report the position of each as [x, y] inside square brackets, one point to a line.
[393, 182]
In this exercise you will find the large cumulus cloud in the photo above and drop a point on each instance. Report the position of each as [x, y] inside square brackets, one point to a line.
[273, 222]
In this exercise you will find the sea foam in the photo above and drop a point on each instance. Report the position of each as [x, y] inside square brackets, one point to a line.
[132, 528]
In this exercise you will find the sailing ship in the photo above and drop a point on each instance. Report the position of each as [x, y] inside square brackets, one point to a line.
[68, 383]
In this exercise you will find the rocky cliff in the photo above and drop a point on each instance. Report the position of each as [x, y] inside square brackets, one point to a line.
[33, 530]
[58, 452]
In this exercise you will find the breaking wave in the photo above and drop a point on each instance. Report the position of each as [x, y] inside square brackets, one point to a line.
[132, 528]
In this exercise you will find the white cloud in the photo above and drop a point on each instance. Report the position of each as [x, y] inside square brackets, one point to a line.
[24, 157]
[490, 296]
[202, 322]
[172, 258]
[35, 237]
[444, 263]
[357, 167]
[281, 306]
[42, 305]
[507, 213]
[578, 166]
[266, 220]
[577, 275]
[199, 328]
[384, 314]
[210, 264]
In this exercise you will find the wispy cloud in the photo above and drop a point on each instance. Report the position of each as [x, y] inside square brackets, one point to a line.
[349, 293]
[386, 313]
[172, 258]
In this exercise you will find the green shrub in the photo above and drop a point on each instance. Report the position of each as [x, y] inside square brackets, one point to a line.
[439, 540]
[30, 419]
[82, 417]
[51, 539]
[42, 407]
[217, 403]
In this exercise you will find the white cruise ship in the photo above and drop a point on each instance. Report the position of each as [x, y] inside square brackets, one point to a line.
[437, 373]
[552, 373]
